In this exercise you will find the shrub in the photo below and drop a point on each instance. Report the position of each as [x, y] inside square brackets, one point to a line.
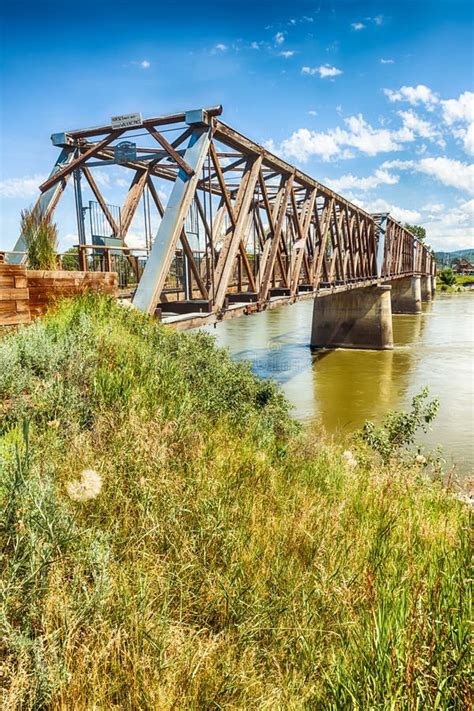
[399, 429]
[41, 236]
[447, 276]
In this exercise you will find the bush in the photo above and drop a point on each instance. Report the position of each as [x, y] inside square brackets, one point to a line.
[447, 276]
[40, 235]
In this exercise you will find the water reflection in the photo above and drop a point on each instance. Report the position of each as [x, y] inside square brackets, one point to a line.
[343, 388]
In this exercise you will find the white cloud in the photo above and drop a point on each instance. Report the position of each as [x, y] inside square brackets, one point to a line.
[378, 19]
[312, 112]
[325, 70]
[452, 173]
[387, 61]
[352, 182]
[303, 143]
[357, 26]
[254, 45]
[21, 187]
[434, 207]
[280, 37]
[287, 53]
[220, 47]
[452, 229]
[461, 109]
[459, 114]
[417, 125]
[414, 95]
[399, 213]
[145, 64]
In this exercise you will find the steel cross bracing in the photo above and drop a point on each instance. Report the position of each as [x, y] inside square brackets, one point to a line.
[263, 231]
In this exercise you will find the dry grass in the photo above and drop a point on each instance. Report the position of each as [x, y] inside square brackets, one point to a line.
[229, 561]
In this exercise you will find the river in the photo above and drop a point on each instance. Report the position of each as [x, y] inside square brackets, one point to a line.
[343, 388]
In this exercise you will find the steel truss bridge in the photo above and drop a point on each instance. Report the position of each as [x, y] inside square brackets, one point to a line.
[247, 230]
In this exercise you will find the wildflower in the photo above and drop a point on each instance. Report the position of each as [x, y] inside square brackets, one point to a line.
[54, 424]
[351, 461]
[85, 488]
[420, 459]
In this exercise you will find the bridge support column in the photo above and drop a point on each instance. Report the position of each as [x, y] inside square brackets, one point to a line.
[426, 288]
[406, 295]
[359, 318]
[433, 287]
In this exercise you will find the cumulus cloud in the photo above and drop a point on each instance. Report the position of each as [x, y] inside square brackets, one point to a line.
[280, 37]
[453, 228]
[387, 61]
[145, 64]
[358, 134]
[220, 47]
[287, 53]
[417, 125]
[448, 171]
[357, 26]
[325, 70]
[399, 213]
[21, 187]
[352, 182]
[458, 114]
[414, 95]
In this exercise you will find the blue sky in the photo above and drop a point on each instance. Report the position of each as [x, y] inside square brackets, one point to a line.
[372, 98]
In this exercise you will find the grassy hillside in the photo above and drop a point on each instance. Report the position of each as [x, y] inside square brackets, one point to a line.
[212, 555]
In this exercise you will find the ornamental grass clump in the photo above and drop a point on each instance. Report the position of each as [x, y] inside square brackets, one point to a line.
[41, 238]
[210, 554]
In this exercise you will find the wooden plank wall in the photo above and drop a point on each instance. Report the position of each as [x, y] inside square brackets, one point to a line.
[14, 297]
[45, 287]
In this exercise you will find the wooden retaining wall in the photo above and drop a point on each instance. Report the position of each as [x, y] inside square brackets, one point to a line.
[45, 287]
[14, 296]
[26, 294]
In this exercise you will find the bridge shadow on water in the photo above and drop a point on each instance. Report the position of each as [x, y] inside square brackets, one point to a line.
[341, 387]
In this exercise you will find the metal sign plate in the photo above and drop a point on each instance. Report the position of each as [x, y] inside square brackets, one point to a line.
[125, 151]
[126, 120]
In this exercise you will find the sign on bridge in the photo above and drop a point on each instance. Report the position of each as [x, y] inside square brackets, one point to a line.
[126, 120]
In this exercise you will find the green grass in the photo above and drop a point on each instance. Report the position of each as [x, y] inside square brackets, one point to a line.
[230, 560]
[459, 284]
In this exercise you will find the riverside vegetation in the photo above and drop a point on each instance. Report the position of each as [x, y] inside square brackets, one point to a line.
[171, 539]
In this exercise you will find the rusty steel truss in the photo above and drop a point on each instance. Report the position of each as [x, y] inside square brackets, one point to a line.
[245, 226]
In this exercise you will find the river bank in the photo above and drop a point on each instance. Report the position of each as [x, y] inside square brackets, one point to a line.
[172, 539]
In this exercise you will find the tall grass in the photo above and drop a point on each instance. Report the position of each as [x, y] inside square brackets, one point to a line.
[229, 560]
[41, 238]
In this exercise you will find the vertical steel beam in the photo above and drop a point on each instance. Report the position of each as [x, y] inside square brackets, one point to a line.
[157, 267]
[381, 244]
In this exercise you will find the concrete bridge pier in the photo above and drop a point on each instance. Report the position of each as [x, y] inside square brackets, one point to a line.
[426, 288]
[406, 295]
[359, 318]
[433, 286]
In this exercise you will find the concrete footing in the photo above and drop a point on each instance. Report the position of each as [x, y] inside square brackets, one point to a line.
[359, 318]
[406, 295]
[426, 288]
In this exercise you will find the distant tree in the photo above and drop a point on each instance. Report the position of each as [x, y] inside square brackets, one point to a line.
[447, 276]
[417, 230]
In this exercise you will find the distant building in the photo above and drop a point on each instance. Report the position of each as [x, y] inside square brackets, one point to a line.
[463, 267]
